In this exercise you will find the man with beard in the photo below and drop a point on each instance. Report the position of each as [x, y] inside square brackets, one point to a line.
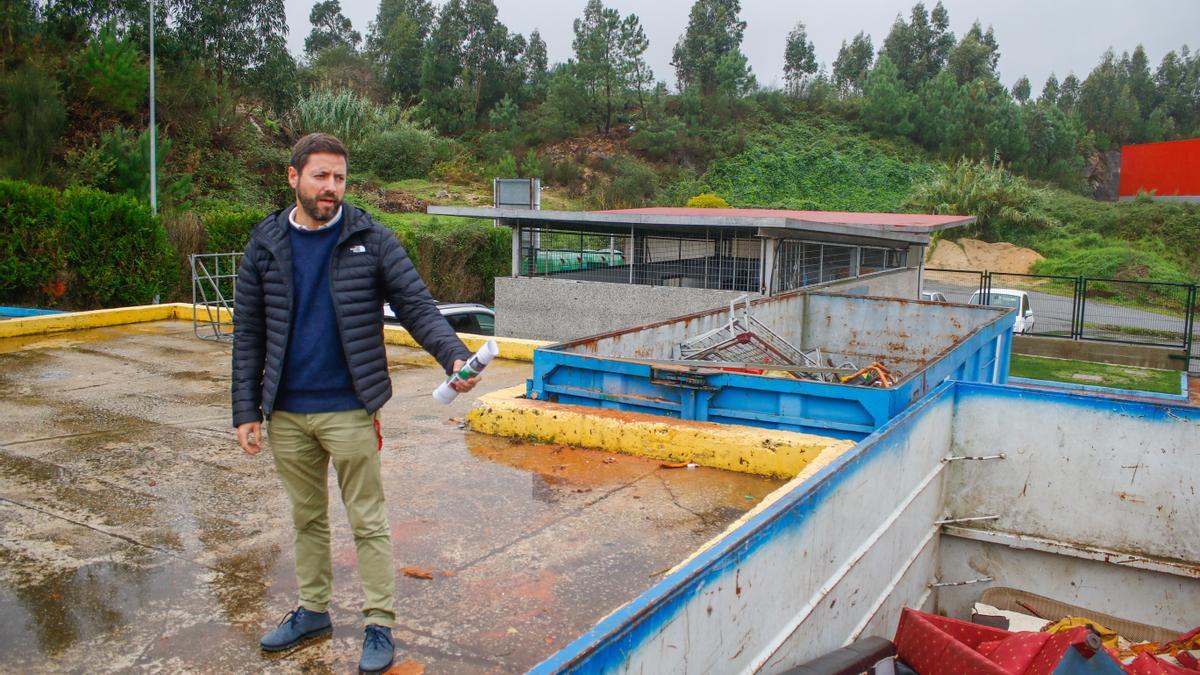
[309, 357]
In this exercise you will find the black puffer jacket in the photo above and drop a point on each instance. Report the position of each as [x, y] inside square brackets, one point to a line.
[368, 266]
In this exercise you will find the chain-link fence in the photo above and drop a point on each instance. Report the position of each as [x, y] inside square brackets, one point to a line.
[1082, 308]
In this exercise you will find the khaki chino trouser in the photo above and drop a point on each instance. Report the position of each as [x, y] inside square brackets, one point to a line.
[302, 445]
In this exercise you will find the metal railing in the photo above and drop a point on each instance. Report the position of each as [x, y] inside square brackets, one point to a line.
[717, 260]
[1156, 313]
[214, 278]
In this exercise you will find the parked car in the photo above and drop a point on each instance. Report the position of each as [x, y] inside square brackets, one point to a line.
[1006, 297]
[464, 317]
[933, 296]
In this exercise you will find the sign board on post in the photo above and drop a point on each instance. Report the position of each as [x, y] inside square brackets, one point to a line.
[517, 193]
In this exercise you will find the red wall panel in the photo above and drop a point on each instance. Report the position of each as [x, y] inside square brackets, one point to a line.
[1168, 169]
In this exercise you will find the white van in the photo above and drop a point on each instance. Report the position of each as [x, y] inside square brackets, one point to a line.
[1006, 297]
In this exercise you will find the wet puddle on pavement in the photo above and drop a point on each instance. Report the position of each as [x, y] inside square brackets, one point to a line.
[135, 538]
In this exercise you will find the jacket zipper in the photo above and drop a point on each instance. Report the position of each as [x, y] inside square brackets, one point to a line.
[337, 310]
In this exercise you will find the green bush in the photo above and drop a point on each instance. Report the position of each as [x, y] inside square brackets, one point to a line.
[1115, 260]
[505, 167]
[228, 231]
[1003, 204]
[81, 248]
[31, 245]
[117, 252]
[402, 152]
[120, 163]
[662, 139]
[459, 262]
[531, 166]
[634, 183]
[1123, 261]
[707, 200]
[568, 173]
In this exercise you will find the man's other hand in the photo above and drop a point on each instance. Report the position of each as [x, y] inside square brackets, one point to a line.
[250, 437]
[463, 386]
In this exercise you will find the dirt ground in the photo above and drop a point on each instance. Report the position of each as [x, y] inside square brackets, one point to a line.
[973, 254]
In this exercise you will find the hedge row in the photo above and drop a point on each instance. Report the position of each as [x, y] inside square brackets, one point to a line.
[459, 260]
[86, 249]
[80, 248]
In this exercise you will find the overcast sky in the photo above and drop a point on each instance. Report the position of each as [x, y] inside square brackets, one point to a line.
[1036, 37]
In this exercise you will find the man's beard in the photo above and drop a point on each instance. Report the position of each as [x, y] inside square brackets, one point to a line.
[310, 206]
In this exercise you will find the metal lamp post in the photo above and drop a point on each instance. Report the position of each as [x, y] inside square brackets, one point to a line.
[153, 140]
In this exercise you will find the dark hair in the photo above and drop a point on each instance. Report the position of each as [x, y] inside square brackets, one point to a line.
[314, 143]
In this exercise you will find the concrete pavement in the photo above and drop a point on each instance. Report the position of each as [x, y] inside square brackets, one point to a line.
[135, 536]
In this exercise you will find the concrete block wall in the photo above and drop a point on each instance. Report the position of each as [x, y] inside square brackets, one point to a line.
[556, 309]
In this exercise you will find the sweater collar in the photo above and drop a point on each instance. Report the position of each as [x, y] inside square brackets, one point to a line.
[335, 220]
[276, 233]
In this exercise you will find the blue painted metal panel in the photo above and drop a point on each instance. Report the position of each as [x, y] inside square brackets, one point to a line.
[579, 375]
[16, 312]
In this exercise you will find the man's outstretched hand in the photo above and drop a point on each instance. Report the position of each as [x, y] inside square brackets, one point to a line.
[462, 386]
[250, 437]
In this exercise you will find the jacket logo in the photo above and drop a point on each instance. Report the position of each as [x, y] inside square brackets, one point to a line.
[358, 249]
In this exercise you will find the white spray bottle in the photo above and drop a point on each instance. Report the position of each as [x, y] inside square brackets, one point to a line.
[475, 365]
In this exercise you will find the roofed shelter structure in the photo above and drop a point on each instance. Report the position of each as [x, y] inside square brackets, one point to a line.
[580, 273]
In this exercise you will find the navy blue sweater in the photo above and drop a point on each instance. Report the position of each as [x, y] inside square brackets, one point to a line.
[316, 378]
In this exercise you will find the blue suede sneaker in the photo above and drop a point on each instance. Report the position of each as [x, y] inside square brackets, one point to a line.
[378, 649]
[296, 627]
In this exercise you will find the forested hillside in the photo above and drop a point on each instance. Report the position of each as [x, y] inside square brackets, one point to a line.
[434, 100]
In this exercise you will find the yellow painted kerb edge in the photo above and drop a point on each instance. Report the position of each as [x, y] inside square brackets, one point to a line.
[513, 349]
[510, 348]
[767, 452]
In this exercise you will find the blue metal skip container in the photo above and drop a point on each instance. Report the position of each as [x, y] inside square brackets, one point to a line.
[923, 343]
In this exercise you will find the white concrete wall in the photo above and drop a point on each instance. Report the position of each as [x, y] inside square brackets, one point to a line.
[557, 309]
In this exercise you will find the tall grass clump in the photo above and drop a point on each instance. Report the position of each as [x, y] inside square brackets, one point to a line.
[1003, 204]
[344, 114]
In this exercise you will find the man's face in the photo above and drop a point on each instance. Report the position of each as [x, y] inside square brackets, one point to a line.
[320, 185]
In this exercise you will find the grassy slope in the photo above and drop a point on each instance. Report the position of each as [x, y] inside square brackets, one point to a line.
[818, 163]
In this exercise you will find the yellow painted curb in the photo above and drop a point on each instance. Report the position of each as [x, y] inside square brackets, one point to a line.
[513, 349]
[186, 312]
[99, 318]
[766, 452]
